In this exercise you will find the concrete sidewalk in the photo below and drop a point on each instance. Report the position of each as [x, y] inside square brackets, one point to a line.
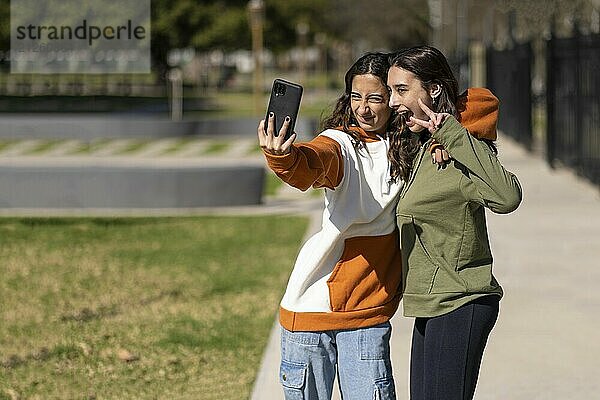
[547, 258]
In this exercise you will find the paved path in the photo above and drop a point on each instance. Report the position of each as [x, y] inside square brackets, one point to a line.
[547, 258]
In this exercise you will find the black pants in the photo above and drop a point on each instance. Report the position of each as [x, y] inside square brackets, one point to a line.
[446, 351]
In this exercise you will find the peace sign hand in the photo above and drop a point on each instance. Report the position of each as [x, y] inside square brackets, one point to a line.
[435, 119]
[272, 144]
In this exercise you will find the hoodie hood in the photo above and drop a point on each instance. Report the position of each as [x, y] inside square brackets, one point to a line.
[478, 112]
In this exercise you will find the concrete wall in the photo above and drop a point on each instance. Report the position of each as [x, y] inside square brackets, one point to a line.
[129, 186]
[160, 183]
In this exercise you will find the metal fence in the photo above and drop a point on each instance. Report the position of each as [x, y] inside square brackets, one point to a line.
[509, 78]
[573, 104]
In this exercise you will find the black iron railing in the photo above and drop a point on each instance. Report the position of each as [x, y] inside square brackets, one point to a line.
[509, 78]
[573, 104]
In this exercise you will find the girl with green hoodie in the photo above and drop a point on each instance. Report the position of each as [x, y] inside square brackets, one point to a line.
[446, 259]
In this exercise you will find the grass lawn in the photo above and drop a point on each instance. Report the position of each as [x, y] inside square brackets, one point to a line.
[272, 184]
[238, 104]
[217, 147]
[45, 146]
[139, 308]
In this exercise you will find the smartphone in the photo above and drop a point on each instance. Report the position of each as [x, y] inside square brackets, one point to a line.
[284, 101]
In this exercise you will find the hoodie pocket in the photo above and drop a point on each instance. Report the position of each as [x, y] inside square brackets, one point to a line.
[368, 273]
[420, 268]
[427, 271]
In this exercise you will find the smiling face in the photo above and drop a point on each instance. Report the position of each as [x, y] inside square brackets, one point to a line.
[405, 89]
[369, 103]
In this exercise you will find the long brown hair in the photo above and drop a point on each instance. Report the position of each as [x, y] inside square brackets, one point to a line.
[431, 67]
[373, 63]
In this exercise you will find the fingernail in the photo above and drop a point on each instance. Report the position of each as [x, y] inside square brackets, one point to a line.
[287, 119]
[270, 114]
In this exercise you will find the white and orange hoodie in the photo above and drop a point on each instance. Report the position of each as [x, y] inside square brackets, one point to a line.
[348, 274]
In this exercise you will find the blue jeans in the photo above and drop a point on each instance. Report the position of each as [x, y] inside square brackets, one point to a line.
[360, 357]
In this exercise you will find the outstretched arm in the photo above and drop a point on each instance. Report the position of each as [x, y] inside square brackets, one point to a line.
[318, 163]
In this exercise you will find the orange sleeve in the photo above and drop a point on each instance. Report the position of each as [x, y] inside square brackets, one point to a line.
[317, 163]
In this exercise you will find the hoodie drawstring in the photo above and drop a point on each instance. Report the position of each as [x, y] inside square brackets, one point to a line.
[387, 182]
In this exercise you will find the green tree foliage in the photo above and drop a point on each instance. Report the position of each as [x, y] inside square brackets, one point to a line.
[223, 24]
[4, 24]
[379, 24]
[203, 25]
[283, 17]
[206, 25]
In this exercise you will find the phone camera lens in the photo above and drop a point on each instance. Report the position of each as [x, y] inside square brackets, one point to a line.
[279, 89]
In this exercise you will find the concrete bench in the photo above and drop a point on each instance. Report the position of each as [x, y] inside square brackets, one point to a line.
[80, 183]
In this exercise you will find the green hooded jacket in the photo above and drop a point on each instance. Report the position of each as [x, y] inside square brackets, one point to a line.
[446, 256]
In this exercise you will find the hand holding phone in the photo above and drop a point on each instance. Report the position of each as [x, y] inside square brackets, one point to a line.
[271, 143]
[284, 102]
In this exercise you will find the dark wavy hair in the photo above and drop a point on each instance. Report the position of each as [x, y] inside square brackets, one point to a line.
[431, 67]
[374, 63]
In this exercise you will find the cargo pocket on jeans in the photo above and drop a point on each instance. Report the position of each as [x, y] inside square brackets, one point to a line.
[292, 377]
[384, 389]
